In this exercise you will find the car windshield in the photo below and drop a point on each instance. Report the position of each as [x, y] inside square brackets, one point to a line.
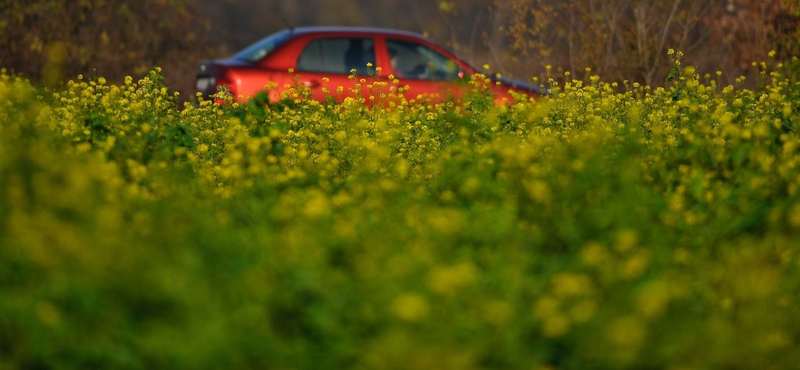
[260, 49]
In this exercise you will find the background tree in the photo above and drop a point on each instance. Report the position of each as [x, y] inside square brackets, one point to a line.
[617, 39]
[628, 39]
[747, 30]
[54, 40]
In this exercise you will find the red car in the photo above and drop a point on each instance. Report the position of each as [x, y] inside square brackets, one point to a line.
[324, 58]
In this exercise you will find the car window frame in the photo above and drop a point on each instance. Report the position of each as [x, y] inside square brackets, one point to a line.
[433, 49]
[320, 38]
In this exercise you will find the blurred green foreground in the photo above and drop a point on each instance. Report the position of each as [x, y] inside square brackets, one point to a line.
[593, 229]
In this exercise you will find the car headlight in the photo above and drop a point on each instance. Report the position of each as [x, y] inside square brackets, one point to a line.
[203, 83]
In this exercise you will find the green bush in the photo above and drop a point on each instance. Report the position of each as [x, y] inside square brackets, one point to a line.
[591, 229]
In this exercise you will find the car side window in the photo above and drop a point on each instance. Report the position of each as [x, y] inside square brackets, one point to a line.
[338, 55]
[417, 61]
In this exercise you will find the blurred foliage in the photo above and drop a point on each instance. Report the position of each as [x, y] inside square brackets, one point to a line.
[51, 41]
[627, 39]
[591, 229]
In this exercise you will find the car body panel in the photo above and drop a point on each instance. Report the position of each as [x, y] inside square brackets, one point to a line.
[278, 62]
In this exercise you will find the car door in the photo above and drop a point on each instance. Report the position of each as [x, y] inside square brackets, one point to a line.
[326, 65]
[429, 74]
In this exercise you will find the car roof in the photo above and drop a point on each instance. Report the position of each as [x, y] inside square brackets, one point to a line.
[345, 29]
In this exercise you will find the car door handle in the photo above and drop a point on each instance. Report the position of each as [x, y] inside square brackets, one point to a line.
[311, 84]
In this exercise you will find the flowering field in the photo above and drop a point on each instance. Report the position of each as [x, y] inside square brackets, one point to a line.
[654, 228]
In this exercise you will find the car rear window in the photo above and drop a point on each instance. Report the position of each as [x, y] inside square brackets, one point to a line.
[417, 61]
[337, 55]
[260, 49]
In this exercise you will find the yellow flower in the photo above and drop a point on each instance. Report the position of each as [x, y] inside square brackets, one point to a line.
[48, 313]
[410, 307]
[653, 299]
[318, 206]
[538, 190]
[626, 240]
[448, 280]
[627, 332]
[571, 284]
[555, 326]
[594, 254]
